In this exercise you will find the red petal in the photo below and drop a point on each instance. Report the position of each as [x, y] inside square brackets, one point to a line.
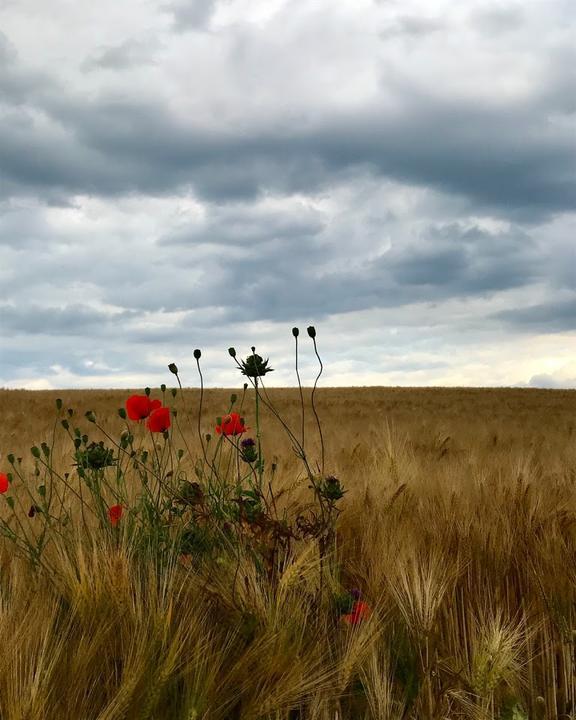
[4, 484]
[138, 407]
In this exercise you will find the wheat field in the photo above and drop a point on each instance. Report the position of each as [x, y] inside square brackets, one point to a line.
[458, 527]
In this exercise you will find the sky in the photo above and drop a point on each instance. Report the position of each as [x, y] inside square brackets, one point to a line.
[181, 174]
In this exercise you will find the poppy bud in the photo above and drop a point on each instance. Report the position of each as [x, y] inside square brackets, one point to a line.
[253, 348]
[42, 490]
[163, 388]
[173, 391]
[11, 459]
[232, 352]
[10, 501]
[65, 424]
[312, 331]
[245, 386]
[233, 398]
[58, 403]
[295, 331]
[147, 391]
[208, 437]
[35, 451]
[70, 412]
[90, 416]
[122, 413]
[173, 368]
[197, 354]
[180, 454]
[45, 449]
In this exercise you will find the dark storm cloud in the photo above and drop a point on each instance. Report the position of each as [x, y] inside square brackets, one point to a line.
[468, 260]
[71, 320]
[506, 157]
[554, 316]
[449, 262]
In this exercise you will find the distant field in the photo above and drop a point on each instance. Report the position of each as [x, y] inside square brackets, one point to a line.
[458, 527]
[466, 420]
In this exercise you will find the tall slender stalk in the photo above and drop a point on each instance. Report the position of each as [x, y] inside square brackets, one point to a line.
[295, 333]
[312, 334]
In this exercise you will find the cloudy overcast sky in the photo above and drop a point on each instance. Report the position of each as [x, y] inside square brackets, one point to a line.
[204, 173]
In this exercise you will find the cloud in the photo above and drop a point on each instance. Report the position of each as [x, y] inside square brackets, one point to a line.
[502, 160]
[241, 225]
[127, 54]
[191, 14]
[551, 383]
[68, 321]
[558, 315]
[400, 175]
[504, 154]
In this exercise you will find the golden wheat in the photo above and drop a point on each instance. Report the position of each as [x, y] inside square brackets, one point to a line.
[458, 525]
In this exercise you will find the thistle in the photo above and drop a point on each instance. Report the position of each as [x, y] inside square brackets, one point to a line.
[255, 367]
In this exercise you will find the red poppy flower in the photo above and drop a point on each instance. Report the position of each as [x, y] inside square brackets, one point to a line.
[4, 483]
[360, 611]
[115, 513]
[159, 420]
[231, 425]
[139, 407]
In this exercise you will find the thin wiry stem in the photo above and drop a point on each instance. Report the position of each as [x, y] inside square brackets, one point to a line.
[200, 411]
[300, 390]
[314, 407]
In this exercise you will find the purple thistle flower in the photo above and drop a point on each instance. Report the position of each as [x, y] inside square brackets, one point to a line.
[248, 443]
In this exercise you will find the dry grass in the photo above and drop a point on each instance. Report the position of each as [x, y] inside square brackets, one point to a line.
[459, 527]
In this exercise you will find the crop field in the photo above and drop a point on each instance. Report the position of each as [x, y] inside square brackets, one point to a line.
[408, 553]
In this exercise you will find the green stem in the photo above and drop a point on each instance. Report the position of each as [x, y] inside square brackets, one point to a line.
[258, 435]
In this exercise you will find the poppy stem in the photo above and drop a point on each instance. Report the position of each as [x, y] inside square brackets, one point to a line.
[200, 412]
[314, 407]
[300, 389]
[258, 434]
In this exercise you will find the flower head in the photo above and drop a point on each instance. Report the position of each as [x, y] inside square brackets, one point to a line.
[159, 420]
[140, 406]
[4, 483]
[360, 611]
[248, 452]
[255, 367]
[115, 513]
[232, 424]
